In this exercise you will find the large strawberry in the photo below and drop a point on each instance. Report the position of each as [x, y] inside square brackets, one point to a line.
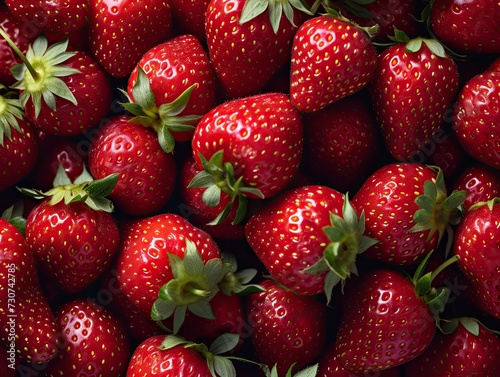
[476, 118]
[122, 31]
[94, 342]
[247, 147]
[407, 210]
[477, 243]
[413, 86]
[249, 41]
[331, 59]
[72, 232]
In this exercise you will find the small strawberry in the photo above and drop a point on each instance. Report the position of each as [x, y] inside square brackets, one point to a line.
[477, 243]
[94, 342]
[476, 118]
[79, 211]
[413, 86]
[480, 182]
[331, 59]
[122, 31]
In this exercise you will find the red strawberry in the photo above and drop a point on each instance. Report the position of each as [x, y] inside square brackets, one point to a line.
[95, 342]
[61, 17]
[285, 328]
[477, 243]
[249, 41]
[476, 118]
[181, 89]
[188, 17]
[122, 31]
[28, 329]
[247, 147]
[466, 349]
[467, 27]
[147, 174]
[407, 210]
[413, 86]
[480, 182]
[331, 59]
[72, 232]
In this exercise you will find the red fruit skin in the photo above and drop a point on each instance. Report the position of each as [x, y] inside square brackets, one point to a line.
[477, 110]
[388, 199]
[142, 264]
[261, 136]
[477, 243]
[95, 342]
[188, 17]
[384, 323]
[120, 32]
[89, 244]
[403, 84]
[18, 156]
[287, 235]
[480, 182]
[28, 327]
[147, 175]
[331, 59]
[459, 354]
[286, 328]
[93, 92]
[148, 360]
[467, 26]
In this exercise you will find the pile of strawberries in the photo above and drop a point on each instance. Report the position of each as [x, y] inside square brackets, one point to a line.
[219, 188]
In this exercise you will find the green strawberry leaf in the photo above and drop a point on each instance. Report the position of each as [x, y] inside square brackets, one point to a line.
[224, 343]
[11, 111]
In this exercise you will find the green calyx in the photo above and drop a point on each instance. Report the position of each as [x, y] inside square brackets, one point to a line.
[39, 73]
[490, 203]
[415, 44]
[238, 282]
[346, 242]
[193, 286]
[164, 119]
[276, 9]
[83, 189]
[370, 31]
[11, 111]
[310, 371]
[471, 324]
[15, 215]
[438, 212]
[217, 177]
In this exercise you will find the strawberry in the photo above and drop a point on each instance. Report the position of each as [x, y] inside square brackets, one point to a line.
[466, 27]
[410, 76]
[476, 118]
[181, 89]
[249, 41]
[147, 174]
[297, 324]
[480, 182]
[121, 32]
[331, 59]
[62, 17]
[80, 211]
[247, 147]
[477, 244]
[95, 342]
[407, 210]
[188, 17]
[466, 348]
[28, 330]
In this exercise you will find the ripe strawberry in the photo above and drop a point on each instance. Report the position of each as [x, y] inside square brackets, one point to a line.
[62, 17]
[28, 329]
[247, 44]
[247, 147]
[188, 17]
[477, 243]
[466, 348]
[331, 59]
[297, 324]
[95, 343]
[121, 32]
[413, 86]
[480, 182]
[147, 174]
[181, 89]
[476, 118]
[467, 27]
[79, 211]
[407, 210]
[308, 239]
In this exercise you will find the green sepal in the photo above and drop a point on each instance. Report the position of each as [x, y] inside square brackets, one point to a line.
[370, 31]
[357, 7]
[490, 203]
[236, 281]
[11, 111]
[471, 324]
[15, 215]
[310, 371]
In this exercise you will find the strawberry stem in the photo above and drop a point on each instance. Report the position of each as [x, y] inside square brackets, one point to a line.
[19, 53]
